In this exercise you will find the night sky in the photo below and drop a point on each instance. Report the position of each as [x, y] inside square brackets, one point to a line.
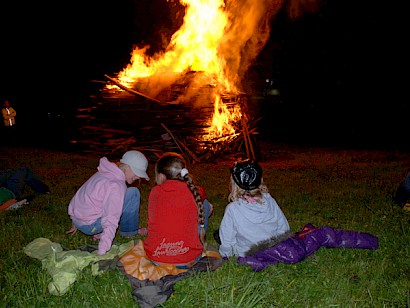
[338, 69]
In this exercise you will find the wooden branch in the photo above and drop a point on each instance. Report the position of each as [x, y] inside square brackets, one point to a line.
[181, 144]
[131, 90]
[245, 131]
[248, 140]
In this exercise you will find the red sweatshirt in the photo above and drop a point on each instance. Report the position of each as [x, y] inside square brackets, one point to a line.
[172, 224]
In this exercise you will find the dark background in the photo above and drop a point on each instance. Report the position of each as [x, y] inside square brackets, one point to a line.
[340, 70]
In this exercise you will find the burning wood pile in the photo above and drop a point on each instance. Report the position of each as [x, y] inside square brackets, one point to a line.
[123, 118]
[186, 94]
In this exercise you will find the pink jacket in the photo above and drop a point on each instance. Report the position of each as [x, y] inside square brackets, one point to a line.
[101, 196]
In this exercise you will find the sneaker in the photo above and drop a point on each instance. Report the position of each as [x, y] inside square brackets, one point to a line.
[17, 205]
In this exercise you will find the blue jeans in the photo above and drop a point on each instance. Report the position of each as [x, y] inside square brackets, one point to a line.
[207, 209]
[15, 181]
[402, 195]
[130, 212]
[129, 218]
[92, 229]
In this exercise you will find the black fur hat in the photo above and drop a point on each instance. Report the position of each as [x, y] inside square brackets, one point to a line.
[247, 174]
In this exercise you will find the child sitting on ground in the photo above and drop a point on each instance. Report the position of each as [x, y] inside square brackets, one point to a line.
[175, 207]
[13, 184]
[402, 194]
[252, 215]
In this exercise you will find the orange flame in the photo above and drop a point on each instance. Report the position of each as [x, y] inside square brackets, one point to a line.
[194, 46]
[217, 38]
[221, 127]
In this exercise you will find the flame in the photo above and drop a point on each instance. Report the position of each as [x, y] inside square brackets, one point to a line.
[222, 125]
[219, 38]
[193, 47]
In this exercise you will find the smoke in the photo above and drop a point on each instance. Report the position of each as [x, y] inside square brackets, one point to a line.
[247, 34]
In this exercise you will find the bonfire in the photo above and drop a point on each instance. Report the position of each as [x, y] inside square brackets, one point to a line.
[202, 66]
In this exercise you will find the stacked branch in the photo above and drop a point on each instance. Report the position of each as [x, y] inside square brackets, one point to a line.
[118, 122]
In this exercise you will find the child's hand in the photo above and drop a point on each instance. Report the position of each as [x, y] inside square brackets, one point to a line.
[97, 237]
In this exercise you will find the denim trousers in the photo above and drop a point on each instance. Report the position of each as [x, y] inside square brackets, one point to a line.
[402, 195]
[15, 181]
[130, 212]
[207, 209]
[129, 220]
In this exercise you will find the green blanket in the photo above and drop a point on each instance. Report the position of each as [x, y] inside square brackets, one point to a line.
[65, 265]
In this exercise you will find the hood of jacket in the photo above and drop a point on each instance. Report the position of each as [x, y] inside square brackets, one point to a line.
[257, 212]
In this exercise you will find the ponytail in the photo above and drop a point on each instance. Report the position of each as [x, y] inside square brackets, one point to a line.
[200, 205]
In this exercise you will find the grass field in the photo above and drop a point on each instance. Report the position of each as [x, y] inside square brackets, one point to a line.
[346, 189]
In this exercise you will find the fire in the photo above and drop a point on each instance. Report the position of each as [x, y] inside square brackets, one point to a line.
[218, 38]
[221, 127]
[193, 47]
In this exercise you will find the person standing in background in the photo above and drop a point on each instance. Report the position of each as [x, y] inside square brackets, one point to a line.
[9, 115]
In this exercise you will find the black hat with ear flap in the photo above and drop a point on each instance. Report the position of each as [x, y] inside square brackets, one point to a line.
[247, 174]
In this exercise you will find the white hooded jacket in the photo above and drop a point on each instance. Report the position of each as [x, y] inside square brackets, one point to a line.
[245, 224]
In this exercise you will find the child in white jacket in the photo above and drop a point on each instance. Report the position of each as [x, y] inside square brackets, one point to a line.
[252, 216]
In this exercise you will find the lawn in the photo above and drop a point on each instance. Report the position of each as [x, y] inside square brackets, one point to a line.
[340, 188]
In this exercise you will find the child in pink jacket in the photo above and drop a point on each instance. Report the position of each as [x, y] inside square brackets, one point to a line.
[103, 202]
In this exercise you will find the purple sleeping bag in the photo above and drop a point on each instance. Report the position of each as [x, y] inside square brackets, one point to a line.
[306, 242]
